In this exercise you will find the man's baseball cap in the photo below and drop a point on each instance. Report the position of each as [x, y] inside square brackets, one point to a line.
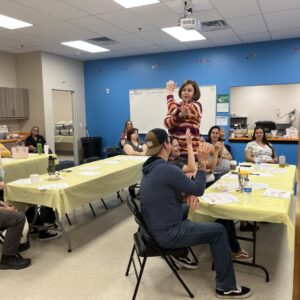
[154, 140]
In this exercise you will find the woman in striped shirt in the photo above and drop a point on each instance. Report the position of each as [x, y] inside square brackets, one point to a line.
[184, 115]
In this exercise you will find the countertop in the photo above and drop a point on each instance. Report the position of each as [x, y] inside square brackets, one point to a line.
[23, 136]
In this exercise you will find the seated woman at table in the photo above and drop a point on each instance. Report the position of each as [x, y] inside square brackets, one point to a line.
[4, 152]
[35, 138]
[216, 135]
[133, 146]
[259, 149]
[189, 168]
[128, 125]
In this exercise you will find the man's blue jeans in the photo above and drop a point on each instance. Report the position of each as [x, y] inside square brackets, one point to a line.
[187, 234]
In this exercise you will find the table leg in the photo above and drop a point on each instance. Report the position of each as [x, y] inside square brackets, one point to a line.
[253, 263]
[65, 234]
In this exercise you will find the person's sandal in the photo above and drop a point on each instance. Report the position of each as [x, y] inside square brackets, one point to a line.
[242, 255]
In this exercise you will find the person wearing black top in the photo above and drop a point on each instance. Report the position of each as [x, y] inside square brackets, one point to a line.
[34, 139]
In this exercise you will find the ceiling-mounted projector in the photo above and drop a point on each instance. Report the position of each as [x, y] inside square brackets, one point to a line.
[189, 23]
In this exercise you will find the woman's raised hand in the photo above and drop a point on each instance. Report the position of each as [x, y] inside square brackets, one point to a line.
[202, 151]
[170, 86]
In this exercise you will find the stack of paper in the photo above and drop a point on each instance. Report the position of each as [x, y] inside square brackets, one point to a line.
[89, 173]
[90, 168]
[219, 198]
[53, 186]
[277, 193]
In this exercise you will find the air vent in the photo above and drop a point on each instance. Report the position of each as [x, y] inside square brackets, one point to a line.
[213, 25]
[102, 41]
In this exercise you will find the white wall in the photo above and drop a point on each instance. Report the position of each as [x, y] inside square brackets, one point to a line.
[29, 76]
[264, 102]
[8, 77]
[63, 73]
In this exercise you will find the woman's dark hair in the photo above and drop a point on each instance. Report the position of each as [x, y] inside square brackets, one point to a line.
[264, 139]
[125, 125]
[194, 84]
[209, 133]
[130, 132]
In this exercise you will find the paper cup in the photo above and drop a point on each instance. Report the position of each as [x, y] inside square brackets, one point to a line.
[233, 164]
[35, 178]
[46, 149]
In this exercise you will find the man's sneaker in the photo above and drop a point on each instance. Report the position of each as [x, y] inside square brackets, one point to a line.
[13, 262]
[242, 255]
[49, 235]
[185, 262]
[241, 292]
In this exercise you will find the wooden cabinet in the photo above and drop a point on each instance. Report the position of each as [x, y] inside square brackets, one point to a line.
[14, 103]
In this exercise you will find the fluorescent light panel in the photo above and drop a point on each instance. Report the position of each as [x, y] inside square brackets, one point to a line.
[11, 23]
[88, 47]
[183, 35]
[135, 3]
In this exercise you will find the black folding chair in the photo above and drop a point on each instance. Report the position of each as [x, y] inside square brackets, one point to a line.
[146, 246]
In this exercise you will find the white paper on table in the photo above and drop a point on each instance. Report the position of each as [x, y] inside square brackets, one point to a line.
[221, 121]
[277, 193]
[89, 173]
[89, 168]
[132, 157]
[23, 181]
[62, 185]
[226, 186]
[219, 198]
[112, 162]
[230, 176]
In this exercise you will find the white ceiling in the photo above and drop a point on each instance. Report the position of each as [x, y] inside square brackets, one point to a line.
[137, 30]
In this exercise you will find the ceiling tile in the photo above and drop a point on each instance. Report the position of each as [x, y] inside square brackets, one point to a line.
[218, 33]
[55, 8]
[226, 40]
[131, 40]
[200, 44]
[124, 19]
[285, 33]
[283, 19]
[159, 15]
[236, 8]
[175, 46]
[255, 37]
[94, 24]
[208, 15]
[275, 5]
[95, 7]
[248, 24]
[156, 36]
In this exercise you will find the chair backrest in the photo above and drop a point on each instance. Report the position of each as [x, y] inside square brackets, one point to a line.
[141, 222]
[91, 159]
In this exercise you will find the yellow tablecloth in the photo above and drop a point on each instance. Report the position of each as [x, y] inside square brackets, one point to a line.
[21, 168]
[64, 139]
[116, 173]
[260, 208]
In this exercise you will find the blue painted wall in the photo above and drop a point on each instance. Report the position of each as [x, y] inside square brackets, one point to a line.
[250, 64]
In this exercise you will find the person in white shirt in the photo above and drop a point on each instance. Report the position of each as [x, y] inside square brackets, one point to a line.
[259, 149]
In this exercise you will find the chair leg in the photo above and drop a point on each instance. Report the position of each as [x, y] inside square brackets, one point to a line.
[174, 264]
[92, 209]
[166, 258]
[119, 196]
[139, 278]
[194, 256]
[104, 204]
[68, 219]
[130, 261]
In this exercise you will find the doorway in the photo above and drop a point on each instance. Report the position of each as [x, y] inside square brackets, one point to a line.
[63, 117]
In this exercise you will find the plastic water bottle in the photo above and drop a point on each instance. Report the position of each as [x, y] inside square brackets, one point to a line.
[247, 191]
[257, 162]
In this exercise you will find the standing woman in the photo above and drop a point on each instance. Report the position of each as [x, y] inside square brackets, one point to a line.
[133, 146]
[34, 139]
[128, 125]
[260, 148]
[184, 115]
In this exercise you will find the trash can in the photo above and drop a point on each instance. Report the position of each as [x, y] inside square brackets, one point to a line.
[91, 146]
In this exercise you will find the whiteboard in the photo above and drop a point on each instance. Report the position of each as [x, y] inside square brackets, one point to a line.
[148, 108]
[265, 102]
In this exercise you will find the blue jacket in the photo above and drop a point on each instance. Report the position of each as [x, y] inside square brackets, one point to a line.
[161, 185]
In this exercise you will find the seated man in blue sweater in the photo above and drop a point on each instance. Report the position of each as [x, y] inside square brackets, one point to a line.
[161, 192]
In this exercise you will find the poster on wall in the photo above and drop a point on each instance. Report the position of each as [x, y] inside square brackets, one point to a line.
[223, 103]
